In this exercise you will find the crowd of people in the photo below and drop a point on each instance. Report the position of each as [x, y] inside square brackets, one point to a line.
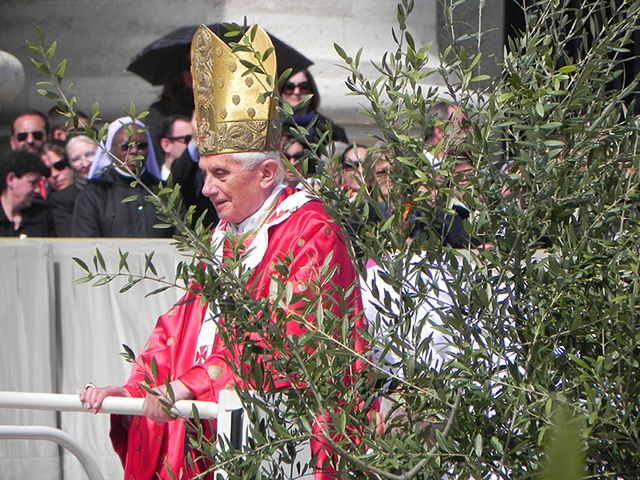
[81, 184]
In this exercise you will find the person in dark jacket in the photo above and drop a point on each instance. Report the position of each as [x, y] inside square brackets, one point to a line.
[99, 209]
[23, 212]
[293, 91]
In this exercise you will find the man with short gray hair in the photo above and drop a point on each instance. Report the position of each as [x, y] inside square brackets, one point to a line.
[238, 139]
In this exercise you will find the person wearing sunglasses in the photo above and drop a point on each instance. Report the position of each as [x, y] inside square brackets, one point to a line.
[62, 189]
[29, 130]
[292, 152]
[53, 156]
[23, 212]
[174, 135]
[293, 91]
[125, 155]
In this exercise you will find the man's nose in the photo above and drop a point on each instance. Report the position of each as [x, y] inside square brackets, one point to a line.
[209, 188]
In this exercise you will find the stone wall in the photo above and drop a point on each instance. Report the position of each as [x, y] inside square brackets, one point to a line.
[100, 38]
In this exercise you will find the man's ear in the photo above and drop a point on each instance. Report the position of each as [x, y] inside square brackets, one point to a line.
[11, 177]
[165, 144]
[13, 143]
[268, 172]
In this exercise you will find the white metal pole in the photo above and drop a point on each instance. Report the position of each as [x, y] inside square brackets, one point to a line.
[54, 435]
[119, 405]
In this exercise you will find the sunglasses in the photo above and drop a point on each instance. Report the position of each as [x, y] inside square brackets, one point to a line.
[38, 135]
[183, 139]
[304, 87]
[60, 164]
[138, 145]
[294, 157]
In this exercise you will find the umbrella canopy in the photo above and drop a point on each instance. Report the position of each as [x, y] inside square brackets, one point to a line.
[167, 56]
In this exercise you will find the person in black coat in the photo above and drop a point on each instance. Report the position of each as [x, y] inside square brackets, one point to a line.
[23, 212]
[293, 91]
[99, 211]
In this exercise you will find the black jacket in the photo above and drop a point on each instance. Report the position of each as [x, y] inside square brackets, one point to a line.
[99, 211]
[186, 173]
[62, 203]
[37, 221]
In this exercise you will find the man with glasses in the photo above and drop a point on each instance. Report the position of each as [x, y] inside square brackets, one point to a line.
[174, 135]
[29, 130]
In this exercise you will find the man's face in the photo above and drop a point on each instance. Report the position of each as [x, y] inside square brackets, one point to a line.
[294, 154]
[129, 142]
[28, 133]
[235, 193]
[176, 142]
[22, 189]
[61, 176]
[462, 173]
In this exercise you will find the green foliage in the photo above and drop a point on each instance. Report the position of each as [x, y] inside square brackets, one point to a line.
[541, 324]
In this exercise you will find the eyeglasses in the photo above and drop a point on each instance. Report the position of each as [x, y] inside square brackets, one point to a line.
[137, 145]
[183, 139]
[38, 135]
[304, 87]
[294, 157]
[60, 164]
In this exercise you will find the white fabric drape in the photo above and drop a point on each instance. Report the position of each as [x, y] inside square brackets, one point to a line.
[57, 336]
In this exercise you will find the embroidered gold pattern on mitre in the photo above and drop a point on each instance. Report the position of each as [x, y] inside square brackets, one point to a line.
[242, 123]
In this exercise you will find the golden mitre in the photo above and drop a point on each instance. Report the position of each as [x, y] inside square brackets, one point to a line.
[229, 116]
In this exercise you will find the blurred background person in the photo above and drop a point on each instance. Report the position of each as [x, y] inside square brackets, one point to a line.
[99, 211]
[176, 99]
[174, 134]
[186, 173]
[60, 125]
[293, 152]
[23, 212]
[62, 188]
[29, 130]
[353, 169]
[81, 152]
[52, 154]
[293, 91]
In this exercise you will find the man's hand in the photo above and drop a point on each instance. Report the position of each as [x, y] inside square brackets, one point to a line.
[92, 397]
[154, 406]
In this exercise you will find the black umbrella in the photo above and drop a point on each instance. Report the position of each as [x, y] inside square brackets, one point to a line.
[167, 56]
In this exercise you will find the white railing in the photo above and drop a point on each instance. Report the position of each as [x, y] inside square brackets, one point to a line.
[111, 405]
[58, 402]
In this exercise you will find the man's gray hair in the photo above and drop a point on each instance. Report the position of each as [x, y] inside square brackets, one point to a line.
[250, 160]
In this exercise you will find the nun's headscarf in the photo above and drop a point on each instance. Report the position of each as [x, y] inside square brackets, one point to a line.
[104, 159]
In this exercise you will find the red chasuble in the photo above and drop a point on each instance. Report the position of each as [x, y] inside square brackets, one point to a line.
[299, 228]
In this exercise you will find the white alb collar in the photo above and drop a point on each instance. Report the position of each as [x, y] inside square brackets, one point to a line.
[254, 219]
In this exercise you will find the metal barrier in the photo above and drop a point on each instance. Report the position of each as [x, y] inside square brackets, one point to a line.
[21, 432]
[111, 405]
[58, 402]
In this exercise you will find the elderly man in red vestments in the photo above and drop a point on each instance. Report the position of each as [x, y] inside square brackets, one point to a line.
[238, 140]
